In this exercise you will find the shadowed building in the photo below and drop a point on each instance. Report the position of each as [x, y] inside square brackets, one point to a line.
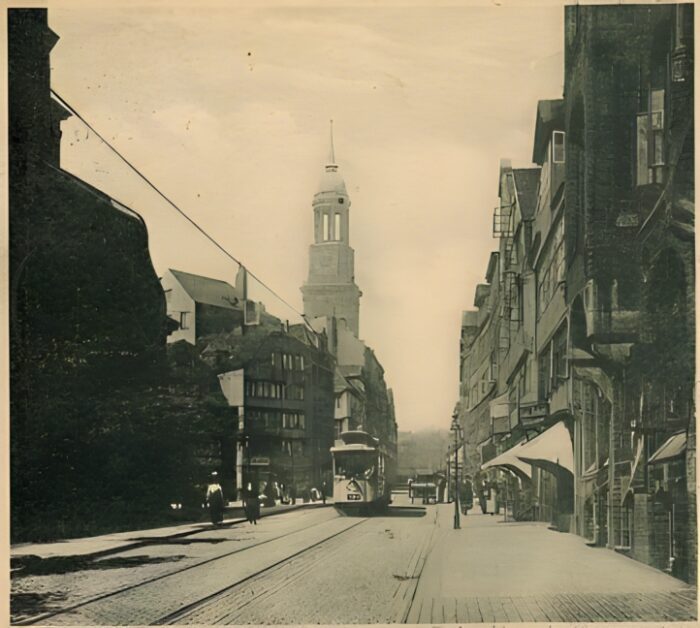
[87, 316]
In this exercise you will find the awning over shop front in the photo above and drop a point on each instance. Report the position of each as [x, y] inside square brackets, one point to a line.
[509, 460]
[551, 450]
[673, 448]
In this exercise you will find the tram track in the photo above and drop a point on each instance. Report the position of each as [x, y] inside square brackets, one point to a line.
[171, 574]
[254, 599]
[191, 608]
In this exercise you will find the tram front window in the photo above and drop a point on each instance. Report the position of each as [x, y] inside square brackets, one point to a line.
[355, 465]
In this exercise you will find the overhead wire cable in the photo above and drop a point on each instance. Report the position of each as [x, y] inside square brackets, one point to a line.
[152, 185]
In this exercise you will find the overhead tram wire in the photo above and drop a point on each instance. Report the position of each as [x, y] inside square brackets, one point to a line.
[152, 185]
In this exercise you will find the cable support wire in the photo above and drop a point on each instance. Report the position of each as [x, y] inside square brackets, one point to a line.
[64, 104]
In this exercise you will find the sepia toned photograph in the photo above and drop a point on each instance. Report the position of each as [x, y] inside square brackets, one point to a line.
[365, 313]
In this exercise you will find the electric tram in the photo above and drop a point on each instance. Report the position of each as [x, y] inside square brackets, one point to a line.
[363, 472]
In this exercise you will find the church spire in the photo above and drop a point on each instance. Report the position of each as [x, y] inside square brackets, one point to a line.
[331, 154]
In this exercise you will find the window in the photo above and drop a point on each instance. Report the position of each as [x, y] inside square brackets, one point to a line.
[293, 420]
[265, 390]
[559, 361]
[337, 227]
[493, 369]
[294, 392]
[522, 381]
[558, 147]
[184, 320]
[544, 377]
[326, 228]
[650, 140]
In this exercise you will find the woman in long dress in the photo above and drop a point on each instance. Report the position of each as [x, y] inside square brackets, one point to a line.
[252, 505]
[215, 500]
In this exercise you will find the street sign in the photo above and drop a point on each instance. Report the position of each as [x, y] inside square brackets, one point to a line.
[259, 462]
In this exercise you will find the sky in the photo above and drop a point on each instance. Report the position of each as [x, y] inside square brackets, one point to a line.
[226, 109]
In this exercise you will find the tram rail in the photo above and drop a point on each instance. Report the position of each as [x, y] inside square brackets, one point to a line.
[40, 619]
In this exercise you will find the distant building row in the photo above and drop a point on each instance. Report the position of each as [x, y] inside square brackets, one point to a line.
[577, 365]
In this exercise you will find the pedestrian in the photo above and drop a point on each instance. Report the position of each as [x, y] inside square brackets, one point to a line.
[483, 492]
[324, 490]
[293, 494]
[251, 505]
[215, 500]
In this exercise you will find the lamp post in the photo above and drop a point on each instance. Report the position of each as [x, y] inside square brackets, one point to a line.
[457, 429]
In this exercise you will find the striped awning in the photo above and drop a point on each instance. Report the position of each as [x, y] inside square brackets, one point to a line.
[673, 448]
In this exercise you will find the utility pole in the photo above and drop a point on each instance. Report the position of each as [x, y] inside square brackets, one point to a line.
[456, 428]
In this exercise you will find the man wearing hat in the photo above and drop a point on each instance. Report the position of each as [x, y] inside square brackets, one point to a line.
[215, 500]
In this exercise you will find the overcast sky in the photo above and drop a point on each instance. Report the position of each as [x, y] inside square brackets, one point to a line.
[227, 111]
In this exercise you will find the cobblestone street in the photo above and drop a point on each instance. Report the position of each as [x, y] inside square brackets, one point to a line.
[316, 566]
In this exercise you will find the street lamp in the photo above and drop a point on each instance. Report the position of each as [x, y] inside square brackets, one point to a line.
[457, 429]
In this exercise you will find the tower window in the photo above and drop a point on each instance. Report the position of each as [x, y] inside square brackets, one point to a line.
[337, 227]
[341, 200]
[326, 228]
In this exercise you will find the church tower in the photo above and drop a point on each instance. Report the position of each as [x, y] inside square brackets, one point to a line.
[330, 289]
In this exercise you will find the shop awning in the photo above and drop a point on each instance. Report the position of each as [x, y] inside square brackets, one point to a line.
[509, 460]
[674, 447]
[551, 450]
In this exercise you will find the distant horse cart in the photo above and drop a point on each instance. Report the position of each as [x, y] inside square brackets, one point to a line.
[426, 487]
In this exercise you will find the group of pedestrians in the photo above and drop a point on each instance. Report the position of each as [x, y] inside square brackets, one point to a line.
[251, 498]
[215, 502]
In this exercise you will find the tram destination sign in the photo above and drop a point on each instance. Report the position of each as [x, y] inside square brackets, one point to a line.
[259, 462]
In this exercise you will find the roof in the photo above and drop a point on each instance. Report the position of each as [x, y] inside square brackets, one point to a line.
[526, 182]
[469, 318]
[341, 384]
[674, 447]
[208, 291]
[549, 117]
[482, 292]
[332, 181]
[99, 194]
[491, 268]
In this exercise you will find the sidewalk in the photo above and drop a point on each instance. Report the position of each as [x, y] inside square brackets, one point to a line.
[491, 571]
[106, 544]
